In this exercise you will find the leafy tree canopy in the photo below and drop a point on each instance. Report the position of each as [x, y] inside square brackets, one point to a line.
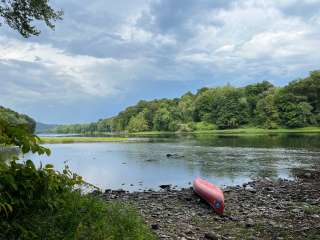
[260, 105]
[21, 14]
[17, 119]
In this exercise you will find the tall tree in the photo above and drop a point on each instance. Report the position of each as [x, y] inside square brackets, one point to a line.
[254, 93]
[267, 113]
[185, 107]
[309, 88]
[162, 120]
[138, 123]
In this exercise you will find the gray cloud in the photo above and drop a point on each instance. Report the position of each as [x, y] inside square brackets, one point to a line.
[126, 49]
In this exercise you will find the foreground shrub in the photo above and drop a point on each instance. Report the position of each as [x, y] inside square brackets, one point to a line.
[41, 203]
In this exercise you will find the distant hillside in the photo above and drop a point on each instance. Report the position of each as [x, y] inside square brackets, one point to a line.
[44, 128]
[15, 118]
[257, 105]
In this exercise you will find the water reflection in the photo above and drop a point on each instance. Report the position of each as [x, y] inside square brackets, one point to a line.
[224, 160]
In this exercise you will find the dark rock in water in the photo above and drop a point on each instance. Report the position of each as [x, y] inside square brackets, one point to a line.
[165, 186]
[155, 226]
[151, 160]
[169, 155]
[211, 236]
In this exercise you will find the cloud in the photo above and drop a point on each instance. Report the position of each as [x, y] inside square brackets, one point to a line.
[252, 39]
[42, 68]
[125, 49]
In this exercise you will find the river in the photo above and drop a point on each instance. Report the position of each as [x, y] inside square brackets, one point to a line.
[222, 159]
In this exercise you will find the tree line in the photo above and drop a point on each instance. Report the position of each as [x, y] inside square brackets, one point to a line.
[17, 119]
[256, 105]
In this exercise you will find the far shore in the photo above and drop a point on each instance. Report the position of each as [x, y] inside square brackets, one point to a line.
[112, 137]
[81, 139]
[238, 131]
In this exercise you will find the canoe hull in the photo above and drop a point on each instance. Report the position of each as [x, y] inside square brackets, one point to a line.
[210, 193]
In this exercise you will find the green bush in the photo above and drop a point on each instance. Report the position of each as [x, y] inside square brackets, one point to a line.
[78, 217]
[19, 135]
[41, 203]
[24, 187]
[204, 126]
[183, 127]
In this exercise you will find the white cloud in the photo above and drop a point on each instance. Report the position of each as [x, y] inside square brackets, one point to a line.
[111, 49]
[130, 31]
[83, 75]
[251, 38]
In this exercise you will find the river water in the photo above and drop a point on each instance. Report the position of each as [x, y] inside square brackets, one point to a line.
[224, 160]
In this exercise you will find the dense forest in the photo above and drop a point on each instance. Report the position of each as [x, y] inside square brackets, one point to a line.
[17, 119]
[256, 105]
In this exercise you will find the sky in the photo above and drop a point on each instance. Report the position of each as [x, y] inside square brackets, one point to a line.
[106, 55]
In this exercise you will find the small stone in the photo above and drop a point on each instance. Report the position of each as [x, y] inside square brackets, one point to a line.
[249, 188]
[270, 189]
[307, 175]
[249, 223]
[155, 226]
[211, 236]
[296, 210]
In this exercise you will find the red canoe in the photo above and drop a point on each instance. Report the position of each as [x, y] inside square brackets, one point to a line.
[210, 193]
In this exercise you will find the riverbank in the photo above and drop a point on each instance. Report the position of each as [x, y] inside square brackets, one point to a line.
[261, 209]
[235, 131]
[50, 140]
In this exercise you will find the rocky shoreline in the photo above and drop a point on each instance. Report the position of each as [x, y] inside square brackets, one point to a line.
[261, 209]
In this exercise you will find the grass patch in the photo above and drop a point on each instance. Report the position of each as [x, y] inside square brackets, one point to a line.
[263, 131]
[311, 209]
[239, 131]
[151, 133]
[78, 217]
[81, 139]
